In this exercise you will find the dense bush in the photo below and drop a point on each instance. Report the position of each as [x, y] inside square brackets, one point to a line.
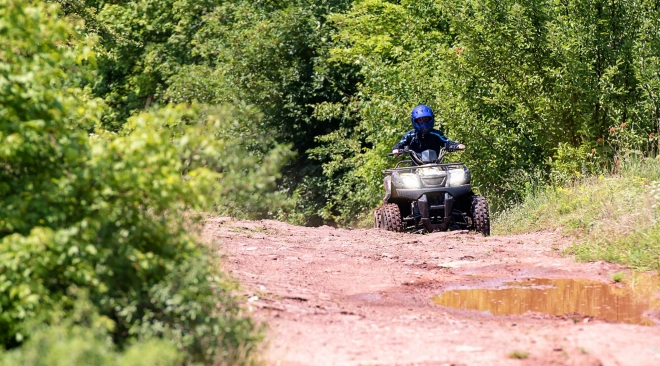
[102, 213]
[82, 338]
[269, 54]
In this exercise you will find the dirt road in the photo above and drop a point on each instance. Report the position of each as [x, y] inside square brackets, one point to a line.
[366, 297]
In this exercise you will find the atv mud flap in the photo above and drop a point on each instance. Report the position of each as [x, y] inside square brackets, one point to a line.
[425, 212]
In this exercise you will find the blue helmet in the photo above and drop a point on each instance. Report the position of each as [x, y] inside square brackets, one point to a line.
[422, 119]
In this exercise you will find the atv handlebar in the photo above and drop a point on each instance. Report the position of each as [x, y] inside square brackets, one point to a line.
[406, 150]
[416, 159]
[400, 152]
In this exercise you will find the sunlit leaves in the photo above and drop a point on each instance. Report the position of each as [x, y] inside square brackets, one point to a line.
[516, 81]
[107, 212]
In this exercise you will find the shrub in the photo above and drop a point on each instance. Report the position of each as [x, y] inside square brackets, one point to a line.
[83, 339]
[103, 214]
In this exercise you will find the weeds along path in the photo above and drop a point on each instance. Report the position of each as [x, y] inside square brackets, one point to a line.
[365, 297]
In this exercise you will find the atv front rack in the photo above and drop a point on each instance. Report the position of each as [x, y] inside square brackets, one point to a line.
[409, 169]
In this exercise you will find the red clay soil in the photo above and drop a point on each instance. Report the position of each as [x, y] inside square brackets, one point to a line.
[364, 297]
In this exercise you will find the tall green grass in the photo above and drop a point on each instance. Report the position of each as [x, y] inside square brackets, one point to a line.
[613, 217]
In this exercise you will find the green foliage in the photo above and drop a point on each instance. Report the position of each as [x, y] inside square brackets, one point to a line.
[214, 144]
[518, 82]
[539, 91]
[618, 277]
[570, 163]
[103, 213]
[271, 55]
[614, 218]
[83, 339]
[142, 45]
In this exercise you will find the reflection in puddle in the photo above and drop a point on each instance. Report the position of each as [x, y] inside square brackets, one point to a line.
[558, 297]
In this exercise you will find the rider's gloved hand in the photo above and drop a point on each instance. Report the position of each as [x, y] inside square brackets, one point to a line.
[396, 152]
[455, 147]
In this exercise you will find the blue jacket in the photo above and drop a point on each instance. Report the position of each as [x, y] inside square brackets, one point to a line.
[433, 140]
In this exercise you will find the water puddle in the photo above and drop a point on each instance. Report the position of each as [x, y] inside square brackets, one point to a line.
[561, 296]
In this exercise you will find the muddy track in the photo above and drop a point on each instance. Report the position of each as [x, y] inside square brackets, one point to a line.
[365, 297]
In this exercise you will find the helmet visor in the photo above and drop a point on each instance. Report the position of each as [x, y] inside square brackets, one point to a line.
[424, 119]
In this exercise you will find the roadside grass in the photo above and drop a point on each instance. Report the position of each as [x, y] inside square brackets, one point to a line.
[618, 277]
[613, 218]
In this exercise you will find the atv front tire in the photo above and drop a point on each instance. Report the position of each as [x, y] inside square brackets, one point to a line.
[388, 217]
[480, 215]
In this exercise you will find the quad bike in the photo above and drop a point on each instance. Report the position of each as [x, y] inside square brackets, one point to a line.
[424, 195]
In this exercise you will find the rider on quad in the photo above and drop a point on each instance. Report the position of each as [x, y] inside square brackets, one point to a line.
[424, 194]
[423, 136]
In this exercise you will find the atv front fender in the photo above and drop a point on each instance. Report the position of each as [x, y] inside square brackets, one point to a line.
[387, 182]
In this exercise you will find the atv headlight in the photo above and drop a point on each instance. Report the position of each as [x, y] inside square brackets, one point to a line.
[459, 177]
[410, 181]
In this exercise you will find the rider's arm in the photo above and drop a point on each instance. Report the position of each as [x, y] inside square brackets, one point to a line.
[405, 141]
[446, 143]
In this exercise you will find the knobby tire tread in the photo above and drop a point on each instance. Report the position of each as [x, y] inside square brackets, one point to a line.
[480, 215]
[392, 218]
[378, 218]
[388, 217]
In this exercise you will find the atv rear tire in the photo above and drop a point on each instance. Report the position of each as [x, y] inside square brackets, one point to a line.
[378, 217]
[388, 217]
[480, 215]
